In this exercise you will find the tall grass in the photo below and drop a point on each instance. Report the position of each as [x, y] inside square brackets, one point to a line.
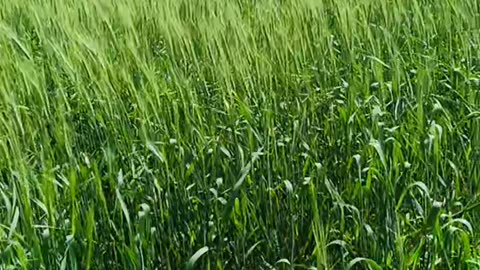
[220, 134]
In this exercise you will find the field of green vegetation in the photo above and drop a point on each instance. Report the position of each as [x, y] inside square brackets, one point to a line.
[240, 134]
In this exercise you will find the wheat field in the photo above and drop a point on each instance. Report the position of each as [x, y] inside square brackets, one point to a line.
[239, 134]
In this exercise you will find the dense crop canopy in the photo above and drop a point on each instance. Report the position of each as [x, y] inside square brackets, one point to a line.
[217, 134]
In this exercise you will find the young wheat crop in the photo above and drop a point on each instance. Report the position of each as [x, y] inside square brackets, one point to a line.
[239, 134]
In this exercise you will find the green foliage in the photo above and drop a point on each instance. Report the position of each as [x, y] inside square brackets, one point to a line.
[212, 134]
